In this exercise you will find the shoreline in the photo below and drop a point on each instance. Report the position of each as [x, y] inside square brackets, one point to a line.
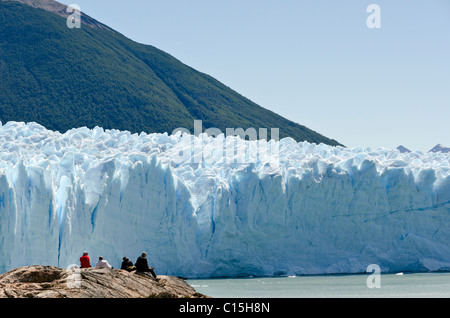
[315, 275]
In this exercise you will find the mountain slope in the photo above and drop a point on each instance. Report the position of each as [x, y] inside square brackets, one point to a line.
[440, 148]
[61, 10]
[403, 149]
[64, 78]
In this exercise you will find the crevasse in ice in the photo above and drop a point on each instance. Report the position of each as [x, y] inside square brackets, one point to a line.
[201, 211]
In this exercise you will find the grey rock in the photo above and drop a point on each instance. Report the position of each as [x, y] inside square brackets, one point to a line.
[54, 282]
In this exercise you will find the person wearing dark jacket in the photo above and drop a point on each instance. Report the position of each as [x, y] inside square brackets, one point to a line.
[127, 265]
[142, 265]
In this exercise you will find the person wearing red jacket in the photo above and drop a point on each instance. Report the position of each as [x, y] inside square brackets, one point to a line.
[85, 261]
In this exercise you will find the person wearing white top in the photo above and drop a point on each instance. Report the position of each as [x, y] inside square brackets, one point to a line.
[102, 263]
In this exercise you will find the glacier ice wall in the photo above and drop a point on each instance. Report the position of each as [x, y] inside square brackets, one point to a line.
[312, 209]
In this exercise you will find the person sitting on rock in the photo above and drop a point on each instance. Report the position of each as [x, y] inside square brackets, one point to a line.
[127, 265]
[142, 265]
[102, 263]
[85, 261]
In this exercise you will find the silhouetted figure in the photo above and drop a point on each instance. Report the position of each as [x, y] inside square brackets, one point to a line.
[142, 265]
[127, 265]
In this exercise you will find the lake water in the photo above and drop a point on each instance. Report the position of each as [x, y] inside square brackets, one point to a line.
[417, 285]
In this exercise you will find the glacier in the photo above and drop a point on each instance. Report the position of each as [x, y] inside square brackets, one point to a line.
[311, 209]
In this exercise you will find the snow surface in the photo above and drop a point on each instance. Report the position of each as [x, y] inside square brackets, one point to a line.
[312, 209]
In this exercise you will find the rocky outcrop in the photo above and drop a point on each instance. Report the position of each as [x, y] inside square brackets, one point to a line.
[54, 282]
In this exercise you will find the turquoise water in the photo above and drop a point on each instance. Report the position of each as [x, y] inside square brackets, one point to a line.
[421, 285]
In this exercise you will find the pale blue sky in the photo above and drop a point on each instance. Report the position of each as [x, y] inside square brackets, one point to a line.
[314, 62]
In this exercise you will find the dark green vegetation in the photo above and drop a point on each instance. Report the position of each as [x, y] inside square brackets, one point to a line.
[65, 78]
